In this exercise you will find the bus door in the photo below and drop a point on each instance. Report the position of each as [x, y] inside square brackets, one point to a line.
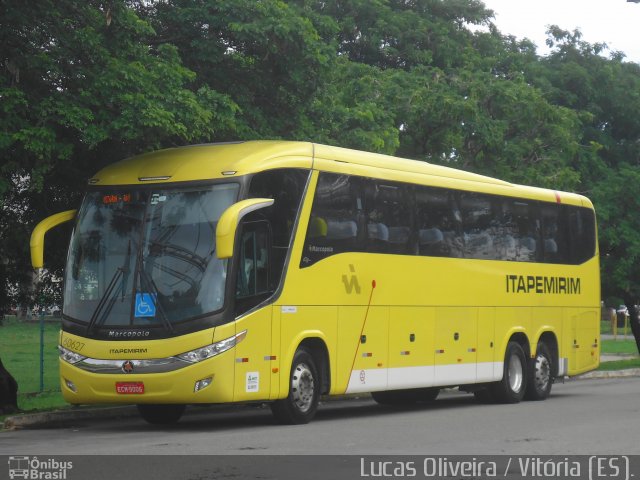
[253, 353]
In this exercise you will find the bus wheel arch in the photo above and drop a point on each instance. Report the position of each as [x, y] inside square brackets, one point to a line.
[308, 378]
[318, 349]
[543, 368]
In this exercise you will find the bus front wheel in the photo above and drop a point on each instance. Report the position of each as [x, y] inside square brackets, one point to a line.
[161, 414]
[304, 391]
[514, 377]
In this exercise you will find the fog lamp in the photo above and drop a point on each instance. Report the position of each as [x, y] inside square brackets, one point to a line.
[202, 384]
[70, 385]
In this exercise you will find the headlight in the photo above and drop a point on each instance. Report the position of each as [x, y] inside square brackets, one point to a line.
[202, 353]
[69, 356]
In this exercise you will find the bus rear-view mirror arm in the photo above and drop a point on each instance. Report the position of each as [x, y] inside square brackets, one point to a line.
[229, 220]
[37, 236]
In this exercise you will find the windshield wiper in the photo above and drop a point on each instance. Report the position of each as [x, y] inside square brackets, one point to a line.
[109, 296]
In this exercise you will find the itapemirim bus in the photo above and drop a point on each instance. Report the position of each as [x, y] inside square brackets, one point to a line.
[277, 271]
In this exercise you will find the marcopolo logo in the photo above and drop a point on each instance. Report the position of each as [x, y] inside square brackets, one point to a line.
[38, 469]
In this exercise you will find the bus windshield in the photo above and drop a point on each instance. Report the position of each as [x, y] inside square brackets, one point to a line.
[146, 257]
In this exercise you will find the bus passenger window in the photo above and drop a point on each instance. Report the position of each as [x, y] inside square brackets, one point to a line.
[334, 226]
[554, 236]
[582, 234]
[388, 217]
[479, 226]
[528, 231]
[438, 223]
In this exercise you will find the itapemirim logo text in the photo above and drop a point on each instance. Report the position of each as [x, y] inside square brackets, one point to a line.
[33, 468]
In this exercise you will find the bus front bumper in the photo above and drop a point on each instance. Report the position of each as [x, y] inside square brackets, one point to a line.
[210, 381]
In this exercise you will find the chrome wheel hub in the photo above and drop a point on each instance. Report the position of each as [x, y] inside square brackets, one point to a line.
[516, 373]
[302, 387]
[542, 373]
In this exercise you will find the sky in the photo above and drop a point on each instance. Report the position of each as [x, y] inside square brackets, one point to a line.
[614, 22]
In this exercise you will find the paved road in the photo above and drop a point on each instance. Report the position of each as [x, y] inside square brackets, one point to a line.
[581, 417]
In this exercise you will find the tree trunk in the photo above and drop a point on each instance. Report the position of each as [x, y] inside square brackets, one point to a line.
[8, 392]
[634, 320]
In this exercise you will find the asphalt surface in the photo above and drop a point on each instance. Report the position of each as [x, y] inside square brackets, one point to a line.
[86, 413]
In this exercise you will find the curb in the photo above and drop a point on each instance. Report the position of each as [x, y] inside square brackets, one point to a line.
[61, 417]
[630, 372]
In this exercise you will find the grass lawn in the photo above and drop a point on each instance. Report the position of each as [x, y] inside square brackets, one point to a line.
[628, 347]
[20, 354]
[619, 346]
[620, 364]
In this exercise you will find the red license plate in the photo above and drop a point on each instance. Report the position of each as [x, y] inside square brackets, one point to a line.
[130, 388]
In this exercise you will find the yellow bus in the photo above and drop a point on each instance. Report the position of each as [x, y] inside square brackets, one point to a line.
[278, 272]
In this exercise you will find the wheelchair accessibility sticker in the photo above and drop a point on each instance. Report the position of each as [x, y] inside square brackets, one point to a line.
[145, 305]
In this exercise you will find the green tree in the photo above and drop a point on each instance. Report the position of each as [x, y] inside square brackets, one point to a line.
[265, 56]
[82, 85]
[605, 94]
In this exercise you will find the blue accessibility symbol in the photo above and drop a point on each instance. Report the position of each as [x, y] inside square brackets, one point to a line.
[145, 304]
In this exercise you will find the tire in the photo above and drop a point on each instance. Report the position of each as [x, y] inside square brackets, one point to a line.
[512, 387]
[161, 414]
[540, 375]
[405, 397]
[304, 392]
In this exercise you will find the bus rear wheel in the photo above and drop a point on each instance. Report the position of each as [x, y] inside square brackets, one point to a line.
[304, 391]
[512, 387]
[540, 377]
[161, 414]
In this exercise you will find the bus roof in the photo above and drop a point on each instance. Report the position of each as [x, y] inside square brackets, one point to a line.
[228, 160]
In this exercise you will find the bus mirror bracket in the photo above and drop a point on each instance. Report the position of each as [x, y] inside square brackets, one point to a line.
[229, 220]
[37, 236]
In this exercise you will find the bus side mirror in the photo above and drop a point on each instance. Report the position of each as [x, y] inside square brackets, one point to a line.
[229, 220]
[37, 236]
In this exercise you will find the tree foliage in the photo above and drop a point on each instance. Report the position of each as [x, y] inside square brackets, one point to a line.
[83, 84]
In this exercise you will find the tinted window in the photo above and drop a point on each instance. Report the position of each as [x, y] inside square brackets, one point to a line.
[388, 218]
[582, 227]
[337, 218]
[555, 240]
[286, 187]
[352, 214]
[438, 223]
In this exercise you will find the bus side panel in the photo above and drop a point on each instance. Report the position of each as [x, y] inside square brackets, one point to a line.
[365, 355]
[350, 323]
[585, 346]
[489, 365]
[253, 357]
[411, 347]
[277, 367]
[456, 340]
